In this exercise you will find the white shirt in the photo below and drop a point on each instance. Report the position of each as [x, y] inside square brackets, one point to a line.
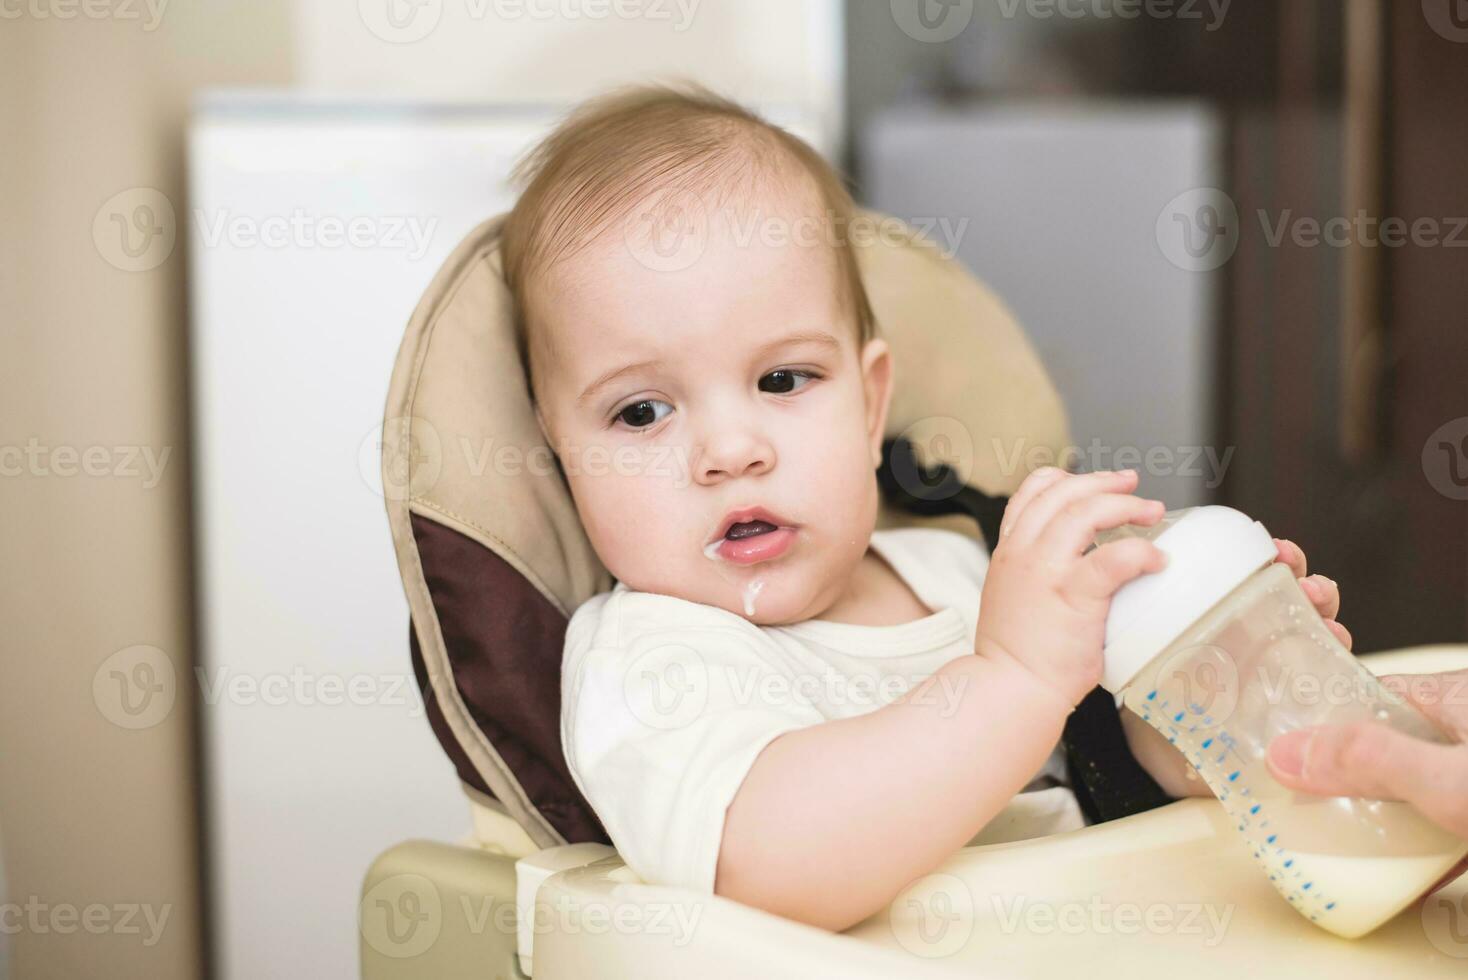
[666, 703]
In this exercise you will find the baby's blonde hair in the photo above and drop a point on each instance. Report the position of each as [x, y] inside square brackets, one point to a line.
[614, 151]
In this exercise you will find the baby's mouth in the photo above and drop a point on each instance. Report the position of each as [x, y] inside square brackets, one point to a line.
[752, 541]
[748, 529]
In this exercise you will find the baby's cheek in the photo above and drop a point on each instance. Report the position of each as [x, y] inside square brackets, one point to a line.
[635, 523]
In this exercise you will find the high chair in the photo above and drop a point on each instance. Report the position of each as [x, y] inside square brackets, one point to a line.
[494, 561]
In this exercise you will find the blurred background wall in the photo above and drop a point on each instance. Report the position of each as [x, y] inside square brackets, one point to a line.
[1329, 375]
[94, 814]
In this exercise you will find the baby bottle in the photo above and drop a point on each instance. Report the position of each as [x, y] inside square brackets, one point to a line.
[1221, 652]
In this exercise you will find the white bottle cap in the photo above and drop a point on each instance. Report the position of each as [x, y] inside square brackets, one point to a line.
[1210, 552]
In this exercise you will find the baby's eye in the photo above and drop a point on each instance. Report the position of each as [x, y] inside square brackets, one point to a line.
[639, 415]
[782, 382]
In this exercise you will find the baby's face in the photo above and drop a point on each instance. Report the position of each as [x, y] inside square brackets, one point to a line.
[677, 397]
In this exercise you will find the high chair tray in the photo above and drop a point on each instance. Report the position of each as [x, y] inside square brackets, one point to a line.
[1170, 888]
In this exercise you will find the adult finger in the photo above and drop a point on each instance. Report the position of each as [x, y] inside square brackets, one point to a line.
[1073, 530]
[1376, 762]
[1341, 633]
[1443, 698]
[1046, 504]
[1323, 594]
[1292, 555]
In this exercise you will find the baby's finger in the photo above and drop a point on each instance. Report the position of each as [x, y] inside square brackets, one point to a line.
[1032, 486]
[1038, 514]
[1293, 555]
[1323, 594]
[1098, 575]
[1075, 527]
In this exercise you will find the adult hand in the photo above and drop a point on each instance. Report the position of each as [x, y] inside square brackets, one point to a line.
[1378, 762]
[1322, 592]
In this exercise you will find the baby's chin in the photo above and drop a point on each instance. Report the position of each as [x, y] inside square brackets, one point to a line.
[767, 594]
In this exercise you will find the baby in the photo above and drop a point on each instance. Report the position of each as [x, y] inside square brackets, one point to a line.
[778, 703]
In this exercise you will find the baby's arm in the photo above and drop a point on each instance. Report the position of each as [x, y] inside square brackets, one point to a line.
[833, 820]
[1163, 762]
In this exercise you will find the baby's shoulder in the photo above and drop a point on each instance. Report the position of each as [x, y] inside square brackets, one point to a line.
[939, 549]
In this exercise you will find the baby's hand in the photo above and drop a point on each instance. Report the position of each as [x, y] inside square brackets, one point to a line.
[1321, 591]
[1044, 605]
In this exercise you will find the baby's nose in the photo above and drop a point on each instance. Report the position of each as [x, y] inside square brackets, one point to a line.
[734, 454]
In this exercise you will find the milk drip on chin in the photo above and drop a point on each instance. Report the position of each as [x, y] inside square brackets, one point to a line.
[751, 587]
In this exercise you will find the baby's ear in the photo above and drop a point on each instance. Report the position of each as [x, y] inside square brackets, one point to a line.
[876, 377]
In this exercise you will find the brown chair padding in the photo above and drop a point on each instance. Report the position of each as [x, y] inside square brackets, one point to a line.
[494, 559]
